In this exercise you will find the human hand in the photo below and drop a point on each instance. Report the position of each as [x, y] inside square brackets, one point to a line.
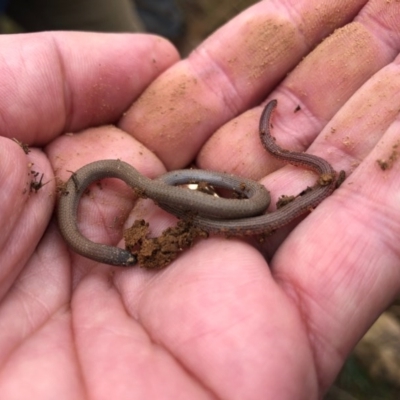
[218, 322]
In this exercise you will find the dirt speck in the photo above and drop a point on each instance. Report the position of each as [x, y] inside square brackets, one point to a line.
[387, 163]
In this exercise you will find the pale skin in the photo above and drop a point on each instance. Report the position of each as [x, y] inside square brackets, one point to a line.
[227, 319]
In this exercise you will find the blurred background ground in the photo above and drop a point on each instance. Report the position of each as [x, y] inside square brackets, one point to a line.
[205, 16]
[372, 371]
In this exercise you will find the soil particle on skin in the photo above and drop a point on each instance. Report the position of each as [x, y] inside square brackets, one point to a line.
[387, 163]
[24, 146]
[61, 186]
[36, 184]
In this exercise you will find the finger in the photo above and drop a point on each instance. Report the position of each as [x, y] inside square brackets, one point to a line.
[65, 81]
[104, 209]
[26, 209]
[311, 95]
[36, 342]
[347, 268]
[233, 70]
[345, 141]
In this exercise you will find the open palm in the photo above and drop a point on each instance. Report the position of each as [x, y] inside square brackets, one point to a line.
[229, 319]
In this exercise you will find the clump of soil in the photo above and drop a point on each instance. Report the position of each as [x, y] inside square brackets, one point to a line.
[160, 251]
